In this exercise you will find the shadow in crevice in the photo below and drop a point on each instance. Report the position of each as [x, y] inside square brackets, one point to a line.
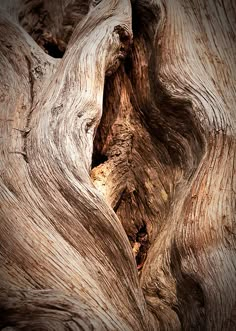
[98, 158]
[51, 23]
[190, 296]
[143, 239]
[170, 119]
[53, 49]
[176, 143]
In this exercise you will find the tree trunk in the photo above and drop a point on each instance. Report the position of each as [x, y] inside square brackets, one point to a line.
[117, 165]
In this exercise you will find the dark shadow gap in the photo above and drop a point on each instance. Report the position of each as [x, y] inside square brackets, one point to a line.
[143, 240]
[53, 49]
[98, 158]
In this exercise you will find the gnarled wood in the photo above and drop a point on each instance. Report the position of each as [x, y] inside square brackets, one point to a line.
[150, 154]
[57, 232]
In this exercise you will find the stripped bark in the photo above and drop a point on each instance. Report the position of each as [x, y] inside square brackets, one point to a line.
[158, 169]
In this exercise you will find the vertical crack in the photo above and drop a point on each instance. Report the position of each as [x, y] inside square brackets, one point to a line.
[26, 131]
[140, 246]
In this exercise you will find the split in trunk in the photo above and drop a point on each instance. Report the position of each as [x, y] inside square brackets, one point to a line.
[118, 144]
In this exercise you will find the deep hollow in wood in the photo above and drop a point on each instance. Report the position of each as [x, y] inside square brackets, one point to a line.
[155, 87]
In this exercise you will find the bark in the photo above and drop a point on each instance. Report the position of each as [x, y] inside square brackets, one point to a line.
[117, 165]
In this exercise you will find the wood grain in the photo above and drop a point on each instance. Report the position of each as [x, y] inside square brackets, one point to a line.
[117, 130]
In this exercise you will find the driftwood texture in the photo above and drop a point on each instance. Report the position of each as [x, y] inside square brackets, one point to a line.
[117, 131]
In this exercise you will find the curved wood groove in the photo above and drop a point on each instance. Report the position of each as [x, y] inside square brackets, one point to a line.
[166, 147]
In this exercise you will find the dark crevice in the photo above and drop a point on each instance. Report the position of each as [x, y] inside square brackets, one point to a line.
[136, 233]
[98, 158]
[53, 50]
[40, 25]
[143, 240]
[142, 13]
[168, 121]
[51, 45]
[128, 64]
[191, 301]
[118, 203]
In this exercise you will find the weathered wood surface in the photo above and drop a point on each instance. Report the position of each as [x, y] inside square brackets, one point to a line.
[163, 158]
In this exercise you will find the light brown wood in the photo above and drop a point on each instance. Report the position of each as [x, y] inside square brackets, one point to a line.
[117, 143]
